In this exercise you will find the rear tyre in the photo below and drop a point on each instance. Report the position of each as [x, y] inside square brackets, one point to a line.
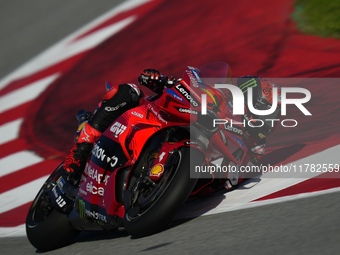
[152, 210]
[46, 228]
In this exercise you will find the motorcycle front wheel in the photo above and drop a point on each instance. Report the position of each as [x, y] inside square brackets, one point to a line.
[153, 206]
[46, 228]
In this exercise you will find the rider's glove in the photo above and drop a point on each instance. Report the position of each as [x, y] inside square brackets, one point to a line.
[152, 79]
[149, 78]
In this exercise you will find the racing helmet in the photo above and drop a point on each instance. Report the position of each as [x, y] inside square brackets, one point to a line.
[262, 100]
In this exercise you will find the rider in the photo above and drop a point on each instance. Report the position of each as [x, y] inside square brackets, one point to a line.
[127, 96]
[115, 102]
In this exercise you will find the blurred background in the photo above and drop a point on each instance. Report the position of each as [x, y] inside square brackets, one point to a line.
[281, 39]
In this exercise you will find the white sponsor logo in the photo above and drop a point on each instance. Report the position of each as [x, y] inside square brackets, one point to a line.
[113, 159]
[55, 193]
[137, 114]
[192, 78]
[186, 95]
[60, 201]
[94, 190]
[161, 119]
[99, 153]
[158, 115]
[188, 111]
[160, 158]
[117, 128]
[234, 130]
[197, 76]
[94, 175]
[114, 108]
[191, 142]
[95, 215]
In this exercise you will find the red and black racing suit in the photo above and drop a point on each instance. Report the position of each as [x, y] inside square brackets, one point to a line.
[116, 101]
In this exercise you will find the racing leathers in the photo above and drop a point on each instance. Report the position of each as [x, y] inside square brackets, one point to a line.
[116, 101]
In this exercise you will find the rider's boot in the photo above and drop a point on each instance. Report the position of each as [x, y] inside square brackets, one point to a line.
[75, 162]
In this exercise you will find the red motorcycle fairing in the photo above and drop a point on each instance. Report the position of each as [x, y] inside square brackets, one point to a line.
[97, 192]
[158, 166]
[120, 146]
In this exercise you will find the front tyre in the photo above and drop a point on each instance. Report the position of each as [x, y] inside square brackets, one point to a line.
[153, 208]
[46, 228]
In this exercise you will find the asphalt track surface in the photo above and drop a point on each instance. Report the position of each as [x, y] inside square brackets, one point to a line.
[304, 226]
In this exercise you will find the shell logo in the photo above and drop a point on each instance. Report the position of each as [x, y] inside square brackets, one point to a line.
[157, 170]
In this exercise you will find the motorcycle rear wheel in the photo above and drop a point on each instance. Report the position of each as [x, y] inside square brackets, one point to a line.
[177, 187]
[46, 228]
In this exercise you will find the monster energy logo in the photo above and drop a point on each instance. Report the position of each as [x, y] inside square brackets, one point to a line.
[82, 211]
[248, 84]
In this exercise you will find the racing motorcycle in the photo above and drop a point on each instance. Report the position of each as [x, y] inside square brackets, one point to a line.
[143, 168]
